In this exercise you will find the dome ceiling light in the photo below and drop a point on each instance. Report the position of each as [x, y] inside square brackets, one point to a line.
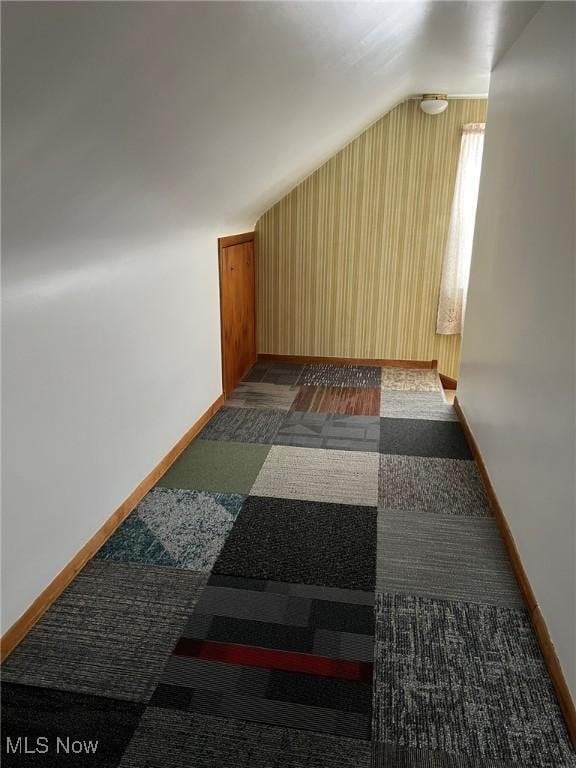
[434, 103]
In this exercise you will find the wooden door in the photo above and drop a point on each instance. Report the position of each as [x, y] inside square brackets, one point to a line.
[237, 307]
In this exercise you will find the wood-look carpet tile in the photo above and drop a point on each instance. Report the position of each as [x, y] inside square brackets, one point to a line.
[353, 401]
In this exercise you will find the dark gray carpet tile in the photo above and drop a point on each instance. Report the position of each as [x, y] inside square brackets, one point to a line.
[274, 373]
[331, 545]
[67, 729]
[399, 404]
[318, 691]
[331, 375]
[465, 679]
[337, 707]
[285, 637]
[243, 425]
[330, 430]
[172, 739]
[318, 612]
[447, 486]
[307, 591]
[420, 437]
[390, 756]
[175, 527]
[448, 557]
[109, 633]
[276, 397]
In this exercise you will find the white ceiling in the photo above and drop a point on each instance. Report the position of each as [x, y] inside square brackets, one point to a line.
[204, 114]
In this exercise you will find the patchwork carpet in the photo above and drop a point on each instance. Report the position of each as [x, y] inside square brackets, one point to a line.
[317, 582]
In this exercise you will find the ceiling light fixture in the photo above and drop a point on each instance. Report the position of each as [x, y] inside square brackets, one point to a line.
[434, 103]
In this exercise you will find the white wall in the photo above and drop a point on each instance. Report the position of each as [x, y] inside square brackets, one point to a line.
[134, 134]
[111, 341]
[517, 383]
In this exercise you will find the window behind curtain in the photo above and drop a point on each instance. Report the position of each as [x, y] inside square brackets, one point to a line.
[456, 267]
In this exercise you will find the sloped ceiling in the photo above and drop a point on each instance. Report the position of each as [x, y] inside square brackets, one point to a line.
[182, 115]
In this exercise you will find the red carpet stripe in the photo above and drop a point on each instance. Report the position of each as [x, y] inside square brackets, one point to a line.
[273, 659]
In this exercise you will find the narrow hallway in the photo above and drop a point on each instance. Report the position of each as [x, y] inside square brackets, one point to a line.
[317, 581]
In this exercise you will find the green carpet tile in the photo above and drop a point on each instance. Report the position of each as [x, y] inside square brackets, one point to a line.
[224, 467]
[317, 582]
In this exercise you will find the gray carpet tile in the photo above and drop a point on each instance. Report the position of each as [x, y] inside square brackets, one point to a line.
[444, 556]
[109, 633]
[173, 739]
[464, 679]
[317, 474]
[274, 373]
[243, 425]
[274, 539]
[330, 430]
[411, 379]
[447, 486]
[330, 375]
[175, 527]
[328, 622]
[398, 404]
[391, 756]
[270, 696]
[275, 397]
[103, 726]
[420, 437]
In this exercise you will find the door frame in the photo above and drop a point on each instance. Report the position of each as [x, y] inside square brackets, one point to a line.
[226, 242]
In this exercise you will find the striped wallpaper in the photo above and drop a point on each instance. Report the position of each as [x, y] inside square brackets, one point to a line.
[349, 262]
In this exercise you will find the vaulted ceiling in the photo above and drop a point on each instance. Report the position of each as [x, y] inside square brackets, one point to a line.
[204, 114]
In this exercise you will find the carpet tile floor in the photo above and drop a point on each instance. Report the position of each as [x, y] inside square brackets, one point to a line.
[395, 404]
[276, 397]
[354, 401]
[330, 430]
[316, 582]
[180, 528]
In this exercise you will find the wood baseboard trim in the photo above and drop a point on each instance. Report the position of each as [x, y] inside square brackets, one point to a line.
[305, 359]
[541, 630]
[448, 382]
[18, 631]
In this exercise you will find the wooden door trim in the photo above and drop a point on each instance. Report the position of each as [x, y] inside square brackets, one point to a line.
[226, 242]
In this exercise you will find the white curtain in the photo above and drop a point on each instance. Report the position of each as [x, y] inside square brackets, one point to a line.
[456, 268]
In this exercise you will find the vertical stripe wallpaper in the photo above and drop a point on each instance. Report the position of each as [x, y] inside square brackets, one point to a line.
[350, 261]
